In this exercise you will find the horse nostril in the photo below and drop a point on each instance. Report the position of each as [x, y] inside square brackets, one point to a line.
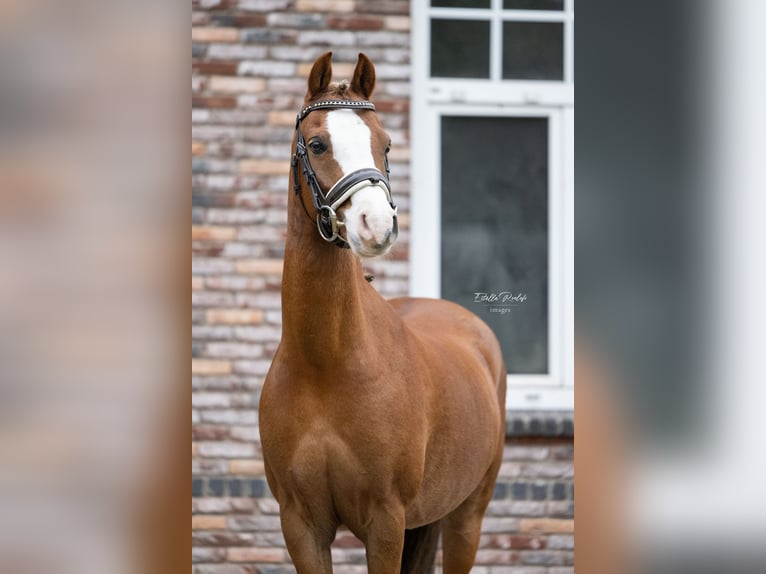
[371, 229]
[366, 231]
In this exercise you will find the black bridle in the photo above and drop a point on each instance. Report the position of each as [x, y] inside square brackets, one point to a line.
[327, 204]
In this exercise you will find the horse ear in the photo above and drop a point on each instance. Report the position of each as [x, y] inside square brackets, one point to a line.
[321, 74]
[364, 77]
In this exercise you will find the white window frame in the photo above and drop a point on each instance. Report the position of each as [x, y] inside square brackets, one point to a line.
[435, 98]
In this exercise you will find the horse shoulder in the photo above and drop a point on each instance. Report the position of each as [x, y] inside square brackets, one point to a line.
[443, 326]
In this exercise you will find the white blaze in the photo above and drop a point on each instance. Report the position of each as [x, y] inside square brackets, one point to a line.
[351, 140]
[369, 218]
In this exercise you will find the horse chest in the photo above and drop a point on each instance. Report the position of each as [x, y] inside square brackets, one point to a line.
[344, 447]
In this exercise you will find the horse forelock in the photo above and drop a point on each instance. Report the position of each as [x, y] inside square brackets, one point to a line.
[337, 90]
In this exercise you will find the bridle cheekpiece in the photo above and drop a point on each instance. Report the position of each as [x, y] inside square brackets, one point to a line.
[327, 204]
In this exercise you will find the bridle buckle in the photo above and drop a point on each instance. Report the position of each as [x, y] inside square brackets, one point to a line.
[330, 217]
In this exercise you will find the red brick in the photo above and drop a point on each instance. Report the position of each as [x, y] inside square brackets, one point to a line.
[325, 5]
[215, 67]
[397, 23]
[222, 538]
[232, 84]
[212, 232]
[206, 432]
[242, 505]
[387, 7]
[206, 249]
[234, 316]
[270, 555]
[260, 266]
[216, 102]
[207, 367]
[249, 467]
[552, 525]
[208, 522]
[215, 35]
[264, 166]
[282, 118]
[248, 20]
[392, 106]
[198, 148]
[497, 557]
[355, 23]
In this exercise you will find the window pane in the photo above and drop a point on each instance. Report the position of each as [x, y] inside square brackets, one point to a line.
[533, 4]
[459, 48]
[533, 50]
[494, 229]
[460, 3]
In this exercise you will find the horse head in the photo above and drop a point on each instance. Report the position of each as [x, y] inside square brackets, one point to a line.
[341, 149]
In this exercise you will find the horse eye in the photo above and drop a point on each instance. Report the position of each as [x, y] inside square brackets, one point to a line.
[317, 146]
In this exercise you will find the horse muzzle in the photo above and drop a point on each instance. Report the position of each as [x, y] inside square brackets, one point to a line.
[369, 213]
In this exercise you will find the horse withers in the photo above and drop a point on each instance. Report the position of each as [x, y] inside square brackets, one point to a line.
[387, 417]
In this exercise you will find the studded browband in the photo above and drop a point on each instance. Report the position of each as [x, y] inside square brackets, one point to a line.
[352, 104]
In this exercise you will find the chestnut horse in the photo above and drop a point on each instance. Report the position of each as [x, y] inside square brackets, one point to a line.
[387, 417]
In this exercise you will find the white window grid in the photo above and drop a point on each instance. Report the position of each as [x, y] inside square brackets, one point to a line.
[496, 16]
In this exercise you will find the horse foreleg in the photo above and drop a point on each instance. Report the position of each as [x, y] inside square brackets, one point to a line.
[385, 541]
[461, 529]
[309, 546]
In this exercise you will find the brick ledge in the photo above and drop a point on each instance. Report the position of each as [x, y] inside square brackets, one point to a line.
[548, 424]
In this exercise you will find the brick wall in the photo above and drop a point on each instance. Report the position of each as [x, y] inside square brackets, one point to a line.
[250, 60]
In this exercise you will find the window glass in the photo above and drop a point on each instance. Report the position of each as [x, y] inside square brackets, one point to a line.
[460, 3]
[494, 230]
[533, 4]
[533, 51]
[459, 48]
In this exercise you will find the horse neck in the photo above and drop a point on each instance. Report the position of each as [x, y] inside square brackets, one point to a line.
[329, 311]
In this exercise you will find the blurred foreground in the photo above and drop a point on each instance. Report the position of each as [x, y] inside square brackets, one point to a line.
[671, 275]
[94, 259]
